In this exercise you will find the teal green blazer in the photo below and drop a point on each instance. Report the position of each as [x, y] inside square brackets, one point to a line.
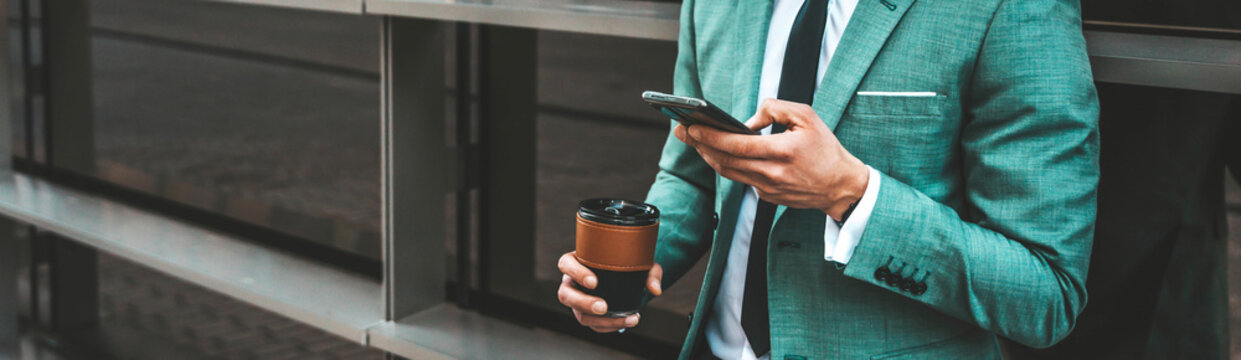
[988, 188]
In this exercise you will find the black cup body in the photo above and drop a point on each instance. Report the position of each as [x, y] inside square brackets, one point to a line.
[622, 290]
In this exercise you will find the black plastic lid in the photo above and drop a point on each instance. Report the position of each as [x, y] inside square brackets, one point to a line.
[618, 212]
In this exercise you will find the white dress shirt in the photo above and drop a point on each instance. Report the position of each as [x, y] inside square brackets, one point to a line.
[723, 327]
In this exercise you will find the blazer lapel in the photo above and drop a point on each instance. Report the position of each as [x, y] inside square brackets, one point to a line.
[753, 18]
[869, 27]
[868, 30]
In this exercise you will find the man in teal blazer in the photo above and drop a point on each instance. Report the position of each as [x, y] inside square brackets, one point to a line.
[982, 223]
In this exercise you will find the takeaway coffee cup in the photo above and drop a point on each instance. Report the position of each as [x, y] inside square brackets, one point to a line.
[616, 240]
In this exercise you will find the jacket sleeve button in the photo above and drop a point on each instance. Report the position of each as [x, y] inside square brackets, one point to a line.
[715, 220]
[907, 285]
[895, 280]
[919, 288]
[882, 273]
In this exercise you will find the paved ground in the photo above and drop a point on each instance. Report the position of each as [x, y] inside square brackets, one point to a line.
[203, 323]
[145, 314]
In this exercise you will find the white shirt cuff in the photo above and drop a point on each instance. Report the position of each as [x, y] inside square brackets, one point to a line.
[839, 241]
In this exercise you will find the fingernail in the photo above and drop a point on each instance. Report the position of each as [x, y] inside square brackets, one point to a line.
[591, 282]
[599, 307]
[631, 321]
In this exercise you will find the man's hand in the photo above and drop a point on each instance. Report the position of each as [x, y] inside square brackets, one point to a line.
[804, 167]
[589, 309]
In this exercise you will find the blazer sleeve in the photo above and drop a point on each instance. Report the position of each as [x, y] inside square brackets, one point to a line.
[1013, 258]
[684, 188]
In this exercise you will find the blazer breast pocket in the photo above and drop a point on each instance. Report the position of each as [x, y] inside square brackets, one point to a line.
[896, 104]
[903, 134]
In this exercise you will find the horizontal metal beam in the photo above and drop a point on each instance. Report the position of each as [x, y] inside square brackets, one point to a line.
[338, 302]
[1126, 58]
[447, 332]
[1138, 59]
[1166, 61]
[344, 304]
[341, 6]
[637, 19]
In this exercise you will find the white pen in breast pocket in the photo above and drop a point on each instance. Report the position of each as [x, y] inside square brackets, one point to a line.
[897, 93]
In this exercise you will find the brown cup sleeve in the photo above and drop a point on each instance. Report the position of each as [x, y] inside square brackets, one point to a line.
[615, 247]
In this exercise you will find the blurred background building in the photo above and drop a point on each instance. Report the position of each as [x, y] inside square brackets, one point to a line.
[344, 179]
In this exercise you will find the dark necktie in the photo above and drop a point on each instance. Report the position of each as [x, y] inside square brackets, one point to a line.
[797, 83]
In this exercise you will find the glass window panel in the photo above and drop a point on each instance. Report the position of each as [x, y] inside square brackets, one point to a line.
[266, 115]
[16, 85]
[1218, 14]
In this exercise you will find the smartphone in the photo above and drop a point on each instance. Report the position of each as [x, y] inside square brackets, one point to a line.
[690, 111]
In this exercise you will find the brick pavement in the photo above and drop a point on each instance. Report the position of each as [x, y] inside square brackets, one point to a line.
[154, 307]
